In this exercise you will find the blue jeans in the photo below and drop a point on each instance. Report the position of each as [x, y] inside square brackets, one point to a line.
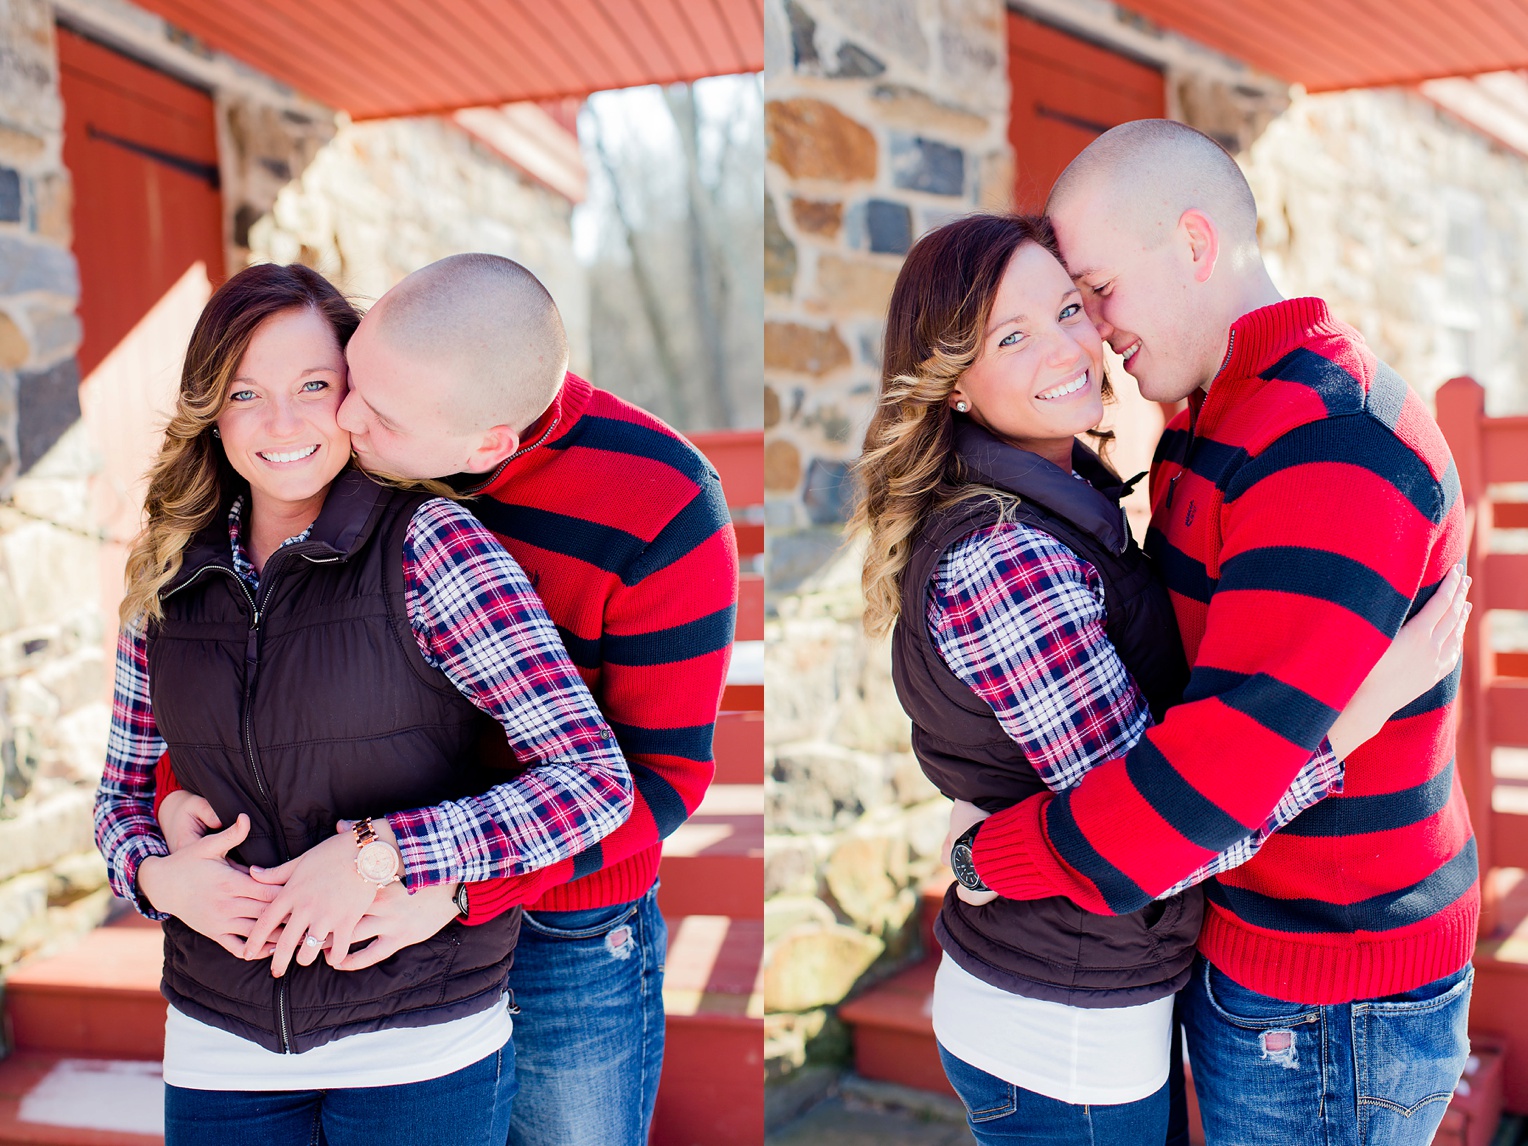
[999, 1112]
[589, 1035]
[468, 1108]
[1349, 1074]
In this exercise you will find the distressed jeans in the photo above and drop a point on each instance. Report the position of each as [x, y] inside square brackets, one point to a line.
[1376, 1071]
[589, 1035]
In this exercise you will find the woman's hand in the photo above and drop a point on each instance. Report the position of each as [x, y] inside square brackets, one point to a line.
[962, 815]
[184, 818]
[323, 896]
[201, 888]
[1424, 652]
[396, 920]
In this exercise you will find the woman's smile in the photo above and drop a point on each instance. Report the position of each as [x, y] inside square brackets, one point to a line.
[1074, 385]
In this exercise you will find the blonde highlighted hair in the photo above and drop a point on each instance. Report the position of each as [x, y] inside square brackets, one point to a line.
[191, 480]
[909, 467]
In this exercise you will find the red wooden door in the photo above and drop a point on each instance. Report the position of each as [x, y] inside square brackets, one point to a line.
[1066, 93]
[141, 148]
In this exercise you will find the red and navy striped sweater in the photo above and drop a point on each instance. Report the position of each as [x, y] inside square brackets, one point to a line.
[623, 529]
[1300, 514]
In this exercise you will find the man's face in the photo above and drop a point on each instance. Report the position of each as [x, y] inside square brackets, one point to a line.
[1142, 296]
[398, 412]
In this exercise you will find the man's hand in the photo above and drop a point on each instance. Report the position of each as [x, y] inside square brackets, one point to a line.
[199, 887]
[185, 818]
[962, 816]
[396, 920]
[324, 897]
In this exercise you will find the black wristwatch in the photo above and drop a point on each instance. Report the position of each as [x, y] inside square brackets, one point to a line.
[960, 860]
[461, 900]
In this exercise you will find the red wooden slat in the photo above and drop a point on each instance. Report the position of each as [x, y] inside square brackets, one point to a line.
[738, 748]
[1506, 581]
[738, 456]
[1328, 44]
[1506, 449]
[1512, 664]
[1507, 714]
[743, 697]
[750, 607]
[270, 44]
[750, 539]
[395, 58]
[1510, 514]
[1509, 847]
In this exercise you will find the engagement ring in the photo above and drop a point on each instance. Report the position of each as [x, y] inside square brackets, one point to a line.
[312, 941]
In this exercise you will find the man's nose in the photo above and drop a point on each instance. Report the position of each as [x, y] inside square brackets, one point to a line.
[346, 415]
[1094, 306]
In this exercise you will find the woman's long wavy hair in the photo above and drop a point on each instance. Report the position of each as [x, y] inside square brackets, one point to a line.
[190, 480]
[909, 468]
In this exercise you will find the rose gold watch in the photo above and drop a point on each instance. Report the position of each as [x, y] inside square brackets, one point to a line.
[375, 861]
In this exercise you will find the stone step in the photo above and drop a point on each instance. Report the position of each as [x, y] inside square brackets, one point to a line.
[738, 748]
[98, 998]
[713, 863]
[712, 1087]
[58, 1100]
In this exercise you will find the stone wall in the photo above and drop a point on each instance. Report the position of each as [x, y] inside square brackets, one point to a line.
[52, 670]
[1412, 225]
[882, 119]
[370, 202]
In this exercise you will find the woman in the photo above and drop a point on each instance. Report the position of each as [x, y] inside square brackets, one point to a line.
[1031, 642]
[322, 656]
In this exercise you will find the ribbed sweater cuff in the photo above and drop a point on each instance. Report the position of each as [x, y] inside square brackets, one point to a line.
[1013, 858]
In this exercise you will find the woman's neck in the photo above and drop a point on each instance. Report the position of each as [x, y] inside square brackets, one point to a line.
[1057, 451]
[268, 522]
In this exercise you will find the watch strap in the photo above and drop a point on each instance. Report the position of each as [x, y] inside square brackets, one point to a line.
[463, 907]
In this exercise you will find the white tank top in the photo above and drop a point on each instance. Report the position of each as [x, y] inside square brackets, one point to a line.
[1096, 1056]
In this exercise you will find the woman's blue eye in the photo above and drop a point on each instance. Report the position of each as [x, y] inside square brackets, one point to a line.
[1011, 339]
[315, 384]
[1070, 310]
[241, 395]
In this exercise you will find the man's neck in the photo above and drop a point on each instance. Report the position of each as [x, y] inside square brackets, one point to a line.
[1253, 292]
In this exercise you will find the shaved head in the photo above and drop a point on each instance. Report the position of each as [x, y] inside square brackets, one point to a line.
[1149, 172]
[489, 326]
[1158, 228]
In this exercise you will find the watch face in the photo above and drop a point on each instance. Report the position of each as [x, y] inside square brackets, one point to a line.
[965, 870]
[377, 862]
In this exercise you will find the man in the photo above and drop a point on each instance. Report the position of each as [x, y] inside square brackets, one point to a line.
[459, 374]
[1302, 509]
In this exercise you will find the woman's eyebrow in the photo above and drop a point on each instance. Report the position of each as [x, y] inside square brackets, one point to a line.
[1020, 318]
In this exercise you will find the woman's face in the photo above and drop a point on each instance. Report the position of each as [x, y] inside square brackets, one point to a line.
[1038, 376]
[278, 426]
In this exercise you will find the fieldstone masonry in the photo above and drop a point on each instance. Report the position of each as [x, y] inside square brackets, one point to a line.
[52, 671]
[887, 116]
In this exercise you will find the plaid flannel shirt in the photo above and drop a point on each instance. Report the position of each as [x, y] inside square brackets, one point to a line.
[1019, 618]
[477, 619]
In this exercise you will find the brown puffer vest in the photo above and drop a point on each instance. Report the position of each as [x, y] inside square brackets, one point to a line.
[1048, 948]
[302, 705]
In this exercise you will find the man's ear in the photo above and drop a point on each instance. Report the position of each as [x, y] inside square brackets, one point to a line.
[1203, 239]
[496, 445]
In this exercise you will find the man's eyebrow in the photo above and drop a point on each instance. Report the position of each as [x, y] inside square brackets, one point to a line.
[381, 417]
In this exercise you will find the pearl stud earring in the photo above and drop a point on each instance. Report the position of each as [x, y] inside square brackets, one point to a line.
[963, 407]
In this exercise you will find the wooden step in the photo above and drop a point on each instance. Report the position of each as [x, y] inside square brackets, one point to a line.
[712, 1088]
[55, 1100]
[738, 748]
[713, 863]
[1499, 1003]
[893, 1030]
[98, 998]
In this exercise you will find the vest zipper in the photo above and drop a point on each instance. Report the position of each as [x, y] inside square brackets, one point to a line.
[284, 1028]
